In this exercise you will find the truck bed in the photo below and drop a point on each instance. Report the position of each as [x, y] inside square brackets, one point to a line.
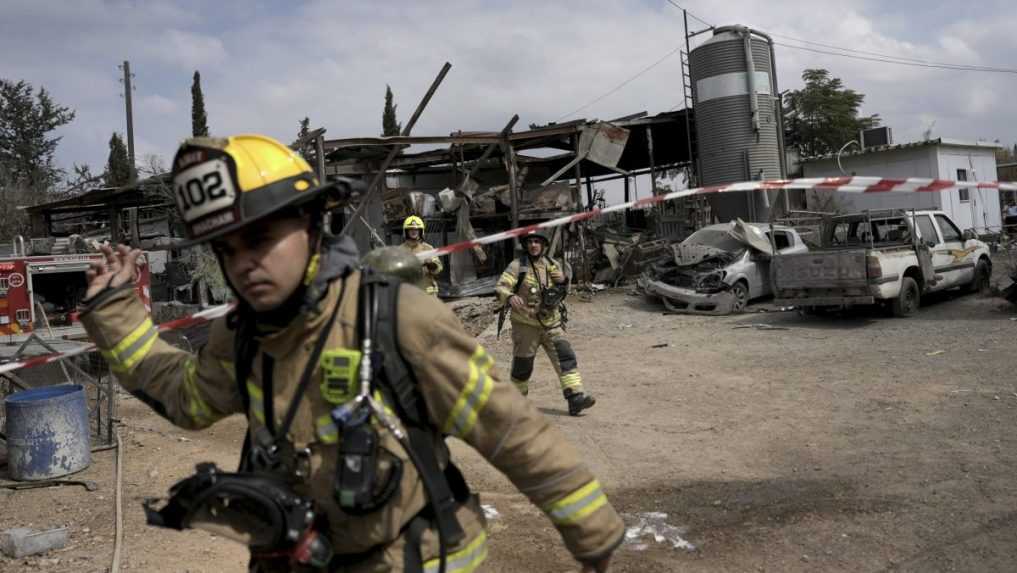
[827, 269]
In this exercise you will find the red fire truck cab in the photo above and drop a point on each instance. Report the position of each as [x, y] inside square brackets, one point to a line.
[50, 285]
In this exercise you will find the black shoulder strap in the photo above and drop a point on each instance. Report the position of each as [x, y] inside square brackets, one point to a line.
[396, 375]
[524, 267]
[446, 488]
[245, 349]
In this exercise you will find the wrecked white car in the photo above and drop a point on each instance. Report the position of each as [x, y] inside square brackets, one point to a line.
[720, 268]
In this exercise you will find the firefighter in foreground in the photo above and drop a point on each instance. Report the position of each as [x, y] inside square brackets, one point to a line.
[349, 382]
[413, 240]
[534, 287]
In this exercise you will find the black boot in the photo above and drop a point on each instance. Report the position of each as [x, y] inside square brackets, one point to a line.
[578, 401]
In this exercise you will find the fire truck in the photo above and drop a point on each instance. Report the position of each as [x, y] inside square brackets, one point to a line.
[46, 289]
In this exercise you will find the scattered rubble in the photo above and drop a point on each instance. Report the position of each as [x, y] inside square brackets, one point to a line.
[475, 313]
[22, 541]
[654, 525]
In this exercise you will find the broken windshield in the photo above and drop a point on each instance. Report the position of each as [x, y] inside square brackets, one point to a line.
[720, 239]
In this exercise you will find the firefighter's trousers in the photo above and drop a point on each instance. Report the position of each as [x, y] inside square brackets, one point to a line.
[526, 339]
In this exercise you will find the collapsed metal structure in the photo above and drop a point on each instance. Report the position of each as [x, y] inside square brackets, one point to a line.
[471, 182]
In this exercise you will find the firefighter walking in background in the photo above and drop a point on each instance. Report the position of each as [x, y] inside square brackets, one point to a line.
[413, 239]
[350, 383]
[534, 287]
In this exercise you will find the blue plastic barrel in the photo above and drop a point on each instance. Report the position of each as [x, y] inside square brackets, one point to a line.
[47, 432]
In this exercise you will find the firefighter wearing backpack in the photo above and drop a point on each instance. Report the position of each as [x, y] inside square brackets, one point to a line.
[323, 487]
[413, 240]
[523, 287]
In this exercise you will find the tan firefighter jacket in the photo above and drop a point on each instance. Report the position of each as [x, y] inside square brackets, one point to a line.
[456, 379]
[430, 275]
[537, 278]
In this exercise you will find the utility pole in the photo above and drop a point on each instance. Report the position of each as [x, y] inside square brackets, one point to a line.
[126, 67]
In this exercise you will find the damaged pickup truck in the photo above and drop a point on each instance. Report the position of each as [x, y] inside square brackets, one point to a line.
[720, 268]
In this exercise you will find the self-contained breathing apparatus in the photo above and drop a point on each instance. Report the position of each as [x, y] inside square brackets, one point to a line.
[259, 505]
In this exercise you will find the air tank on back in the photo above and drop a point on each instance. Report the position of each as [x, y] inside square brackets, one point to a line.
[738, 124]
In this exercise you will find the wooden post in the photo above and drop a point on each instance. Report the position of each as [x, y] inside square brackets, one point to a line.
[114, 224]
[576, 190]
[319, 151]
[653, 173]
[372, 187]
[510, 155]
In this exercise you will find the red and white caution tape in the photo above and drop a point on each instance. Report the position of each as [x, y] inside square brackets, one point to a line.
[195, 319]
[843, 184]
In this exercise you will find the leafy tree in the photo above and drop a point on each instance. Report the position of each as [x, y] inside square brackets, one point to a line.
[118, 165]
[199, 119]
[1006, 155]
[304, 148]
[81, 179]
[389, 125]
[27, 144]
[823, 115]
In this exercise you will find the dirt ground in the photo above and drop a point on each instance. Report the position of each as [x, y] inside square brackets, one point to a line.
[771, 441]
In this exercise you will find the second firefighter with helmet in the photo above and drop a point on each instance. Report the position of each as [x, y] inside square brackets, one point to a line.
[537, 323]
[413, 240]
[327, 483]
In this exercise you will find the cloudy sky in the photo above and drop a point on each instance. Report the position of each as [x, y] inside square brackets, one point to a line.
[265, 65]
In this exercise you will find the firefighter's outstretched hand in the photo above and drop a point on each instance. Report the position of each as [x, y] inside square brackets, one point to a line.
[119, 265]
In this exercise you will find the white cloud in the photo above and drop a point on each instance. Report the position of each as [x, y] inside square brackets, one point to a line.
[157, 104]
[187, 50]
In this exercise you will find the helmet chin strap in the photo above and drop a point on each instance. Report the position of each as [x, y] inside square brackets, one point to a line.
[287, 310]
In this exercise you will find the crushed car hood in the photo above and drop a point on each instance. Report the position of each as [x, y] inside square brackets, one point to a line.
[686, 255]
[751, 236]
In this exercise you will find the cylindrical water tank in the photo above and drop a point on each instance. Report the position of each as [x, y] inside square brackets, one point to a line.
[47, 432]
[736, 140]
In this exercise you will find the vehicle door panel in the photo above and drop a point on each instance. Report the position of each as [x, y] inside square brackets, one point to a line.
[929, 238]
[950, 257]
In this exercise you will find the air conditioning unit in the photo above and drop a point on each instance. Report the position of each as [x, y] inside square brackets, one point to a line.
[875, 137]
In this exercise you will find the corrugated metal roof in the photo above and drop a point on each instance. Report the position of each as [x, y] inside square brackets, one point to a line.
[943, 141]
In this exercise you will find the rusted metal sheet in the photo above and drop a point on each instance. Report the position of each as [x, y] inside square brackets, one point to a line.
[603, 143]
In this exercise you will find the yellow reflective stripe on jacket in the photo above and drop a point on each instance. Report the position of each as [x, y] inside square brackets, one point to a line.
[473, 396]
[230, 369]
[326, 429]
[133, 348]
[577, 505]
[257, 401]
[197, 408]
[465, 560]
[506, 285]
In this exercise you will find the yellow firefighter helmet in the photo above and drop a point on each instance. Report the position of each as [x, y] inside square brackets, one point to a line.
[222, 184]
[413, 222]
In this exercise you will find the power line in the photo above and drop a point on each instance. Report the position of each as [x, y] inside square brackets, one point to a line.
[621, 85]
[956, 67]
[882, 58]
[676, 5]
[899, 58]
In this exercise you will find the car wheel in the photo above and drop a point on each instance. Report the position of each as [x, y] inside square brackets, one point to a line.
[908, 300]
[980, 282]
[740, 292]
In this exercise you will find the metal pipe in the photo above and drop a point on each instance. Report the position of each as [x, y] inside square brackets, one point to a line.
[380, 175]
[751, 76]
